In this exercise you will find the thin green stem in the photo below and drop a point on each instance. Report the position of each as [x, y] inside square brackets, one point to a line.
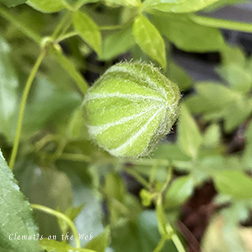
[222, 23]
[20, 25]
[138, 177]
[66, 36]
[60, 216]
[62, 24]
[160, 244]
[177, 242]
[22, 107]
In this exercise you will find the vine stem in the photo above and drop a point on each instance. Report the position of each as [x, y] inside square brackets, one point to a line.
[61, 216]
[22, 107]
[221, 23]
[177, 243]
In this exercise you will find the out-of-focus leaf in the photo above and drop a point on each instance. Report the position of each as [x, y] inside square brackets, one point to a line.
[236, 113]
[180, 6]
[114, 187]
[117, 43]
[149, 39]
[89, 220]
[88, 30]
[233, 54]
[100, 242]
[35, 183]
[55, 246]
[189, 138]
[57, 105]
[15, 215]
[249, 133]
[193, 39]
[222, 3]
[47, 6]
[123, 2]
[115, 192]
[212, 135]
[169, 151]
[178, 75]
[8, 91]
[211, 97]
[180, 190]
[139, 236]
[234, 183]
[77, 129]
[69, 67]
[12, 3]
[220, 239]
[238, 78]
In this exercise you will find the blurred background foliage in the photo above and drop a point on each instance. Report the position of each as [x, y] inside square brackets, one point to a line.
[198, 180]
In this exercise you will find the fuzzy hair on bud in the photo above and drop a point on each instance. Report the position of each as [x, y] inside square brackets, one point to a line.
[130, 108]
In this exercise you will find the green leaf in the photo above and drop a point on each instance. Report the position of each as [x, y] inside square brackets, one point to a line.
[89, 220]
[238, 78]
[57, 105]
[169, 151]
[12, 3]
[141, 235]
[234, 183]
[179, 191]
[47, 6]
[70, 68]
[178, 75]
[194, 35]
[212, 135]
[236, 113]
[15, 215]
[249, 133]
[77, 128]
[117, 43]
[8, 91]
[88, 30]
[100, 242]
[179, 6]
[149, 39]
[189, 136]
[114, 187]
[132, 3]
[233, 55]
[211, 97]
[220, 236]
[35, 182]
[55, 246]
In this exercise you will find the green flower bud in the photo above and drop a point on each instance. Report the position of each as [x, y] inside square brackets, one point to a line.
[130, 108]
